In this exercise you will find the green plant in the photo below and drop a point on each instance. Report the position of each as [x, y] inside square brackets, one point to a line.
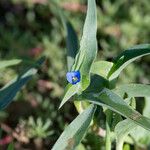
[98, 85]
[8, 92]
[38, 128]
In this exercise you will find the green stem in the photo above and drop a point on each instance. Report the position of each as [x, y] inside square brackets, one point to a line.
[119, 144]
[108, 134]
[108, 140]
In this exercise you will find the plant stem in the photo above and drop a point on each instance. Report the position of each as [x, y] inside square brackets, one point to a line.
[108, 140]
[108, 136]
[119, 144]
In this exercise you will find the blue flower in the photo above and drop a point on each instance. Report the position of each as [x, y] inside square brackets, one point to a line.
[73, 77]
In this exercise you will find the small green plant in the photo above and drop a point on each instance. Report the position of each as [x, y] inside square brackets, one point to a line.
[94, 83]
[37, 129]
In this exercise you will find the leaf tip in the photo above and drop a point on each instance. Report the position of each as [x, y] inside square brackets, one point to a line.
[61, 104]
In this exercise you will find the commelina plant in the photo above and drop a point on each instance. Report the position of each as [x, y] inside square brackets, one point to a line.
[93, 83]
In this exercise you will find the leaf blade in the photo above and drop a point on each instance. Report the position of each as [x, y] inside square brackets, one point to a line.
[122, 129]
[88, 44]
[101, 68]
[133, 90]
[127, 57]
[72, 44]
[8, 63]
[111, 100]
[69, 92]
[8, 92]
[73, 134]
[88, 49]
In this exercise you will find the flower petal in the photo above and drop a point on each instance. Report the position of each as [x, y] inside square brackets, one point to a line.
[73, 77]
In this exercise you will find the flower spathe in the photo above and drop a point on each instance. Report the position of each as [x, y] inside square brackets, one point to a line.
[73, 77]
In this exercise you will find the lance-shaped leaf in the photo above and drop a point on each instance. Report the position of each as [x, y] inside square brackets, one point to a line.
[72, 45]
[72, 48]
[127, 57]
[126, 127]
[88, 45]
[87, 52]
[69, 92]
[8, 92]
[74, 133]
[133, 90]
[111, 100]
[7, 63]
[122, 129]
[71, 36]
[71, 39]
[142, 137]
[101, 68]
[97, 84]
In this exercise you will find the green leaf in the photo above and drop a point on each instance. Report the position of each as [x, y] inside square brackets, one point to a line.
[143, 137]
[146, 110]
[7, 63]
[116, 118]
[133, 90]
[111, 100]
[101, 68]
[127, 57]
[88, 45]
[86, 54]
[10, 146]
[71, 39]
[126, 126]
[72, 45]
[69, 92]
[122, 129]
[8, 92]
[97, 83]
[80, 147]
[71, 36]
[74, 133]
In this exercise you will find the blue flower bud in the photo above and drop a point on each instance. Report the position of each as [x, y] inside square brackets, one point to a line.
[73, 77]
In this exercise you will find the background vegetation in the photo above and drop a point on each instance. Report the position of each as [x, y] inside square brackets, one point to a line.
[31, 28]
